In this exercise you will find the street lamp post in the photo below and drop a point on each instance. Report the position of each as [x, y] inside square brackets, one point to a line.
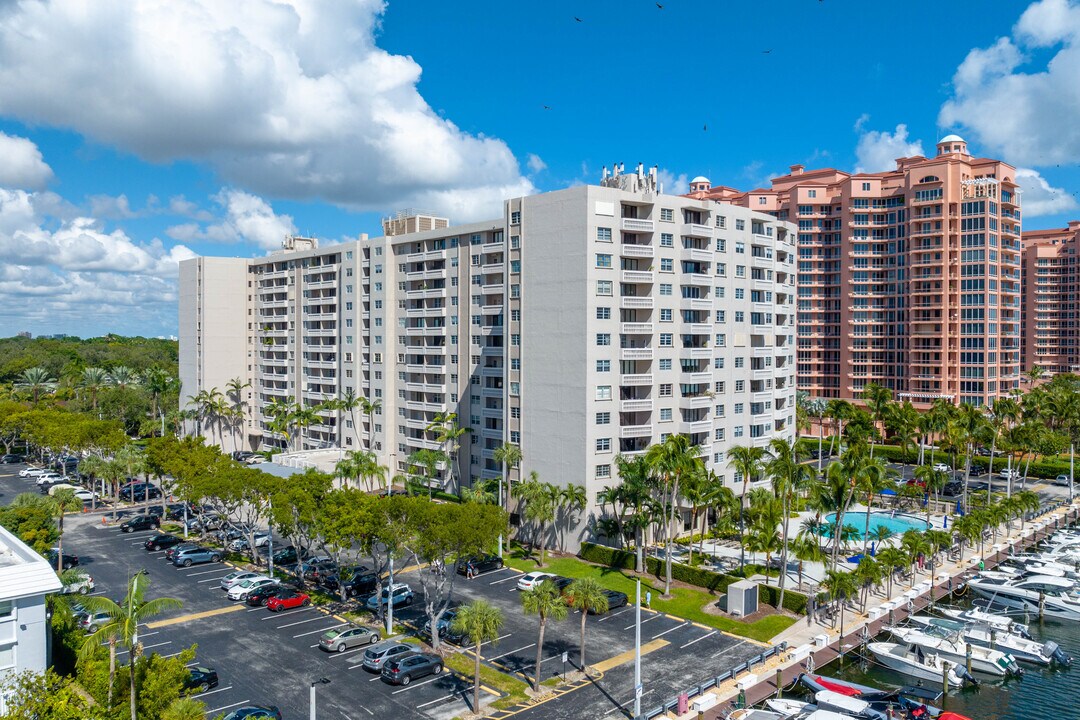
[311, 701]
[390, 602]
[637, 653]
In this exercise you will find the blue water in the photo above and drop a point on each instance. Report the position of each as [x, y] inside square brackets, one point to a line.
[899, 524]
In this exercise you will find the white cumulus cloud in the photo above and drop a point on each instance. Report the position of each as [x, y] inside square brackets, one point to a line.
[1025, 114]
[289, 98]
[535, 163]
[877, 150]
[247, 218]
[1039, 197]
[21, 165]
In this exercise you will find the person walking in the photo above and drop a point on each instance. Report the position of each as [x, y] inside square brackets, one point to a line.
[470, 571]
[648, 599]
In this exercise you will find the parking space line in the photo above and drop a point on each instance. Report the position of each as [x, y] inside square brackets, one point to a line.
[608, 617]
[677, 627]
[512, 577]
[410, 686]
[215, 690]
[210, 579]
[321, 630]
[204, 572]
[523, 668]
[147, 647]
[445, 697]
[511, 652]
[211, 713]
[625, 657]
[501, 637]
[194, 616]
[724, 650]
[279, 615]
[300, 622]
[648, 619]
[697, 640]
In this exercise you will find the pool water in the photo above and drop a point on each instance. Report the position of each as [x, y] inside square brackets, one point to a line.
[898, 523]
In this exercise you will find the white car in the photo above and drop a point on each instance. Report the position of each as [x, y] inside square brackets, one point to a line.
[240, 590]
[531, 581]
[79, 492]
[262, 539]
[1062, 480]
[32, 472]
[84, 584]
[1008, 474]
[235, 578]
[941, 467]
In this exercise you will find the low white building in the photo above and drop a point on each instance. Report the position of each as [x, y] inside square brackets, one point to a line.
[25, 579]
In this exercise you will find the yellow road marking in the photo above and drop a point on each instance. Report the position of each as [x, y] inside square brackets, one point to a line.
[194, 616]
[625, 657]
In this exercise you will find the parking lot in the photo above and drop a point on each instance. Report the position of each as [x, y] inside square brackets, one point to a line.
[675, 653]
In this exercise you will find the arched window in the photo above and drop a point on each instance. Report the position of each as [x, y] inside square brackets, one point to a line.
[930, 178]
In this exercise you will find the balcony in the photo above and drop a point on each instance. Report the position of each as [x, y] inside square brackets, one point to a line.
[637, 276]
[636, 328]
[635, 405]
[698, 377]
[696, 230]
[695, 304]
[700, 426]
[635, 431]
[641, 251]
[697, 329]
[635, 303]
[636, 225]
[695, 401]
[636, 354]
[697, 279]
[696, 255]
[636, 380]
[695, 353]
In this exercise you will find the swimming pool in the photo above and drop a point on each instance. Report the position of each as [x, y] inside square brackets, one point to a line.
[898, 523]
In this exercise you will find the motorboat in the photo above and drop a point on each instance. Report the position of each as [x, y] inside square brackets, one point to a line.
[1058, 597]
[833, 701]
[755, 714]
[1001, 623]
[913, 661]
[907, 700]
[1045, 565]
[951, 646]
[1022, 648]
[789, 708]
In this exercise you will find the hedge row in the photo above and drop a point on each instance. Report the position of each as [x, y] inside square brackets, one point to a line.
[700, 577]
[1043, 468]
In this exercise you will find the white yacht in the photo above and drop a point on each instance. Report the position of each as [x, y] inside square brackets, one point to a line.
[1001, 623]
[1022, 648]
[913, 661]
[1060, 598]
[951, 646]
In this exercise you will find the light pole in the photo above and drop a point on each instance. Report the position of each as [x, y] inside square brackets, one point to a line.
[637, 653]
[270, 538]
[311, 701]
[390, 602]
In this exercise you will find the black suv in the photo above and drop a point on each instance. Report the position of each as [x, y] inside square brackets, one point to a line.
[67, 563]
[201, 679]
[615, 599]
[161, 542]
[139, 492]
[11, 459]
[140, 522]
[480, 564]
[358, 583]
[288, 556]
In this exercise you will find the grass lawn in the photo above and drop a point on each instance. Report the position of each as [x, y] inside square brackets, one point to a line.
[513, 690]
[686, 603]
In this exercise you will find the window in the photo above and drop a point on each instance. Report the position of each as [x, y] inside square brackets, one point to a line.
[739, 362]
[667, 240]
[603, 471]
[515, 266]
[740, 385]
[665, 364]
[665, 414]
[740, 246]
[515, 437]
[865, 187]
[603, 234]
[515, 242]
[721, 340]
[603, 366]
[738, 432]
[6, 606]
[720, 411]
[603, 287]
[721, 245]
[811, 193]
[603, 418]
[666, 315]
[738, 408]
[721, 316]
[603, 444]
[719, 434]
[762, 200]
[515, 412]
[603, 260]
[667, 265]
[667, 215]
[515, 316]
[515, 340]
[665, 390]
[740, 316]
[603, 313]
[603, 338]
[515, 217]
[665, 288]
[515, 389]
[740, 224]
[667, 340]
[603, 392]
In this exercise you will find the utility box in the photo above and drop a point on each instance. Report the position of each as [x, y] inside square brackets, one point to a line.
[742, 598]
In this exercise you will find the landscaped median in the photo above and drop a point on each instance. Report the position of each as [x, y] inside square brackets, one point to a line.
[685, 602]
[511, 689]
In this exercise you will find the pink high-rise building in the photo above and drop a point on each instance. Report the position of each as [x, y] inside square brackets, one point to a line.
[1051, 279]
[908, 278]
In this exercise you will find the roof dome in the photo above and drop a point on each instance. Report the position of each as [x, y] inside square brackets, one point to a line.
[700, 179]
[950, 138]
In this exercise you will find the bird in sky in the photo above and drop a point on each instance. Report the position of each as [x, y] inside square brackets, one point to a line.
[578, 19]
[766, 52]
[659, 6]
[705, 127]
[547, 107]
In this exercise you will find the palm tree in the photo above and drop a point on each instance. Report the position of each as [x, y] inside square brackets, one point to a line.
[890, 560]
[370, 408]
[234, 391]
[841, 586]
[484, 492]
[1000, 414]
[540, 500]
[878, 400]
[479, 621]
[36, 380]
[572, 499]
[670, 460]
[92, 467]
[839, 411]
[867, 574]
[880, 534]
[132, 460]
[933, 481]
[93, 380]
[806, 547]
[746, 460]
[348, 402]
[158, 382]
[586, 596]
[913, 544]
[875, 477]
[508, 456]
[448, 433]
[122, 376]
[429, 461]
[636, 476]
[843, 479]
[185, 708]
[63, 501]
[123, 626]
[546, 603]
[305, 416]
[789, 477]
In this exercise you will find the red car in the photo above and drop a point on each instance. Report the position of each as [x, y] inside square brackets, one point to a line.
[286, 600]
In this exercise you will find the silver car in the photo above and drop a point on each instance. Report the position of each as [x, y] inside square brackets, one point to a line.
[240, 590]
[350, 637]
[376, 656]
[237, 577]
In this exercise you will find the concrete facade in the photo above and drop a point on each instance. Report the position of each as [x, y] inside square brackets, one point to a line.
[583, 323]
[908, 278]
[25, 579]
[1051, 280]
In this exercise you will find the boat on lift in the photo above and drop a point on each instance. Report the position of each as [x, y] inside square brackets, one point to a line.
[951, 646]
[913, 661]
[1022, 648]
[1058, 597]
[1001, 623]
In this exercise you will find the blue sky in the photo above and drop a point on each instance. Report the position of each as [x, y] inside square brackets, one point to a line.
[146, 132]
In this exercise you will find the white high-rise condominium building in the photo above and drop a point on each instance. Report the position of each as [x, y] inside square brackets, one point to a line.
[584, 323]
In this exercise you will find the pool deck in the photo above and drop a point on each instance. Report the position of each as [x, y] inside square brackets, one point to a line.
[813, 643]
